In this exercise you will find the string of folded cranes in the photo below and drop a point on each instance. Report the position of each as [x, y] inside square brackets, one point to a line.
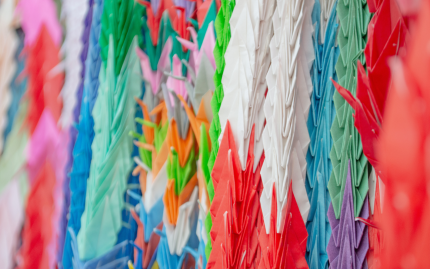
[214, 134]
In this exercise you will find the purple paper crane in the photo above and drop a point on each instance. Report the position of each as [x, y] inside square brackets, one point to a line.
[348, 244]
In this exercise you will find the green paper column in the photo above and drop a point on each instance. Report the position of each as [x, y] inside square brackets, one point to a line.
[223, 35]
[354, 18]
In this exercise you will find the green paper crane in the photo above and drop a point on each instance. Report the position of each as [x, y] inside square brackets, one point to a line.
[182, 175]
[121, 19]
[160, 132]
[354, 17]
[223, 34]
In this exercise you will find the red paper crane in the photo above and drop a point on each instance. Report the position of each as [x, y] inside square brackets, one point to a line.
[387, 33]
[154, 20]
[235, 210]
[179, 22]
[376, 237]
[37, 231]
[202, 9]
[44, 86]
[181, 25]
[286, 249]
[149, 247]
[404, 153]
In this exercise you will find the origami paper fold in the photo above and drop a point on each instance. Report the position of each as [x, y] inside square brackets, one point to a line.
[115, 258]
[286, 249]
[285, 136]
[149, 247]
[386, 28]
[73, 13]
[121, 20]
[346, 140]
[46, 160]
[206, 14]
[189, 6]
[376, 236]
[82, 153]
[112, 150]
[153, 152]
[319, 121]
[325, 14]
[74, 118]
[18, 84]
[178, 86]
[349, 243]
[180, 197]
[180, 214]
[199, 52]
[11, 220]
[200, 124]
[182, 233]
[246, 63]
[36, 15]
[14, 156]
[159, 28]
[235, 212]
[153, 79]
[14, 187]
[45, 82]
[37, 232]
[9, 44]
[155, 14]
[166, 260]
[223, 34]
[402, 149]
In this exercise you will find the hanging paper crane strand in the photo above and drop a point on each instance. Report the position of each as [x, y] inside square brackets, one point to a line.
[82, 152]
[347, 145]
[73, 13]
[320, 119]
[223, 33]
[107, 183]
[285, 136]
[349, 240]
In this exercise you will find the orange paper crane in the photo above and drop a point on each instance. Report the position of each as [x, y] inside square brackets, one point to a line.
[158, 159]
[196, 122]
[235, 209]
[181, 149]
[288, 248]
